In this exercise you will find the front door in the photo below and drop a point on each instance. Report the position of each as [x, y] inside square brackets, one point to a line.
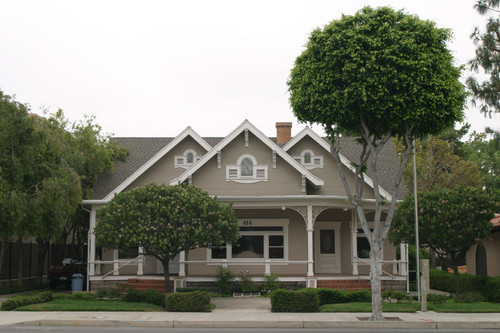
[327, 247]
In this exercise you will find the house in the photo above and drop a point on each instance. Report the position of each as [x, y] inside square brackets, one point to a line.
[483, 257]
[294, 217]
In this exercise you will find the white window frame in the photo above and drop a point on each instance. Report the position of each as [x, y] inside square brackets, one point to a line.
[316, 160]
[180, 161]
[259, 174]
[361, 234]
[249, 222]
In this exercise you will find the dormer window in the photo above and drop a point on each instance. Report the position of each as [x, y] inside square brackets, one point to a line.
[186, 160]
[309, 160]
[246, 170]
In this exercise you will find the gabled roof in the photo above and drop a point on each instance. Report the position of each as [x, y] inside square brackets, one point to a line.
[151, 161]
[246, 125]
[326, 145]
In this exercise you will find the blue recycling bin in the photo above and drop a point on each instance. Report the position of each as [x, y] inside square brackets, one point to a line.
[77, 282]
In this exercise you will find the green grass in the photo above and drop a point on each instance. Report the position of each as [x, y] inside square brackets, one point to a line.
[367, 307]
[62, 304]
[450, 306]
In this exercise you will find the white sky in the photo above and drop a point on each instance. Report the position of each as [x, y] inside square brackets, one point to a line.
[152, 68]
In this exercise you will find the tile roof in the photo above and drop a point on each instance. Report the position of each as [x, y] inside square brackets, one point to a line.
[496, 222]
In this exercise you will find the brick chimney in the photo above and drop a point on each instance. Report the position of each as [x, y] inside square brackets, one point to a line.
[283, 132]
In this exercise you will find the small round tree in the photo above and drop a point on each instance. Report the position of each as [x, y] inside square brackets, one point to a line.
[165, 220]
[451, 221]
[377, 74]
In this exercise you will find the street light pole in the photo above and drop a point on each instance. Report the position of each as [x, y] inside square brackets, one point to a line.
[416, 216]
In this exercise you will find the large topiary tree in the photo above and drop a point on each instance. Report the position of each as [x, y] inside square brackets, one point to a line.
[451, 221]
[377, 74]
[165, 220]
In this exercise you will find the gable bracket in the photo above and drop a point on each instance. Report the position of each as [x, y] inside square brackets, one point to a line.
[303, 183]
[219, 159]
[190, 180]
[246, 137]
[274, 159]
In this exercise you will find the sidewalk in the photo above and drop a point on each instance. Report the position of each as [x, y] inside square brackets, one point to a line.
[250, 319]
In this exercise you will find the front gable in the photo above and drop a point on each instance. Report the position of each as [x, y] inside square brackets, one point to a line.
[272, 175]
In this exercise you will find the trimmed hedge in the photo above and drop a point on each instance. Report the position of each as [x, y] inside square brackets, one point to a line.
[444, 281]
[146, 296]
[18, 301]
[491, 290]
[195, 301]
[304, 300]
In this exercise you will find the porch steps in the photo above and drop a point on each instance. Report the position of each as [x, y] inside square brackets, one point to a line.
[149, 284]
[348, 285]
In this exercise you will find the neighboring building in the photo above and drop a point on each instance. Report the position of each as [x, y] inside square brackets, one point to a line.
[483, 257]
[295, 219]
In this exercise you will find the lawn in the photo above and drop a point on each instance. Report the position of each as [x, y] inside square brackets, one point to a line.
[62, 304]
[450, 306]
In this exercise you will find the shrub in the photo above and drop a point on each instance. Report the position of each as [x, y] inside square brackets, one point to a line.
[224, 280]
[437, 299]
[444, 281]
[394, 294]
[18, 301]
[146, 296]
[83, 295]
[468, 297]
[247, 285]
[331, 296]
[304, 300]
[359, 296]
[491, 291]
[196, 301]
[271, 283]
[110, 293]
[190, 290]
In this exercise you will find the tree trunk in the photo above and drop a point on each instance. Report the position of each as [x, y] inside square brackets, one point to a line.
[19, 262]
[457, 278]
[166, 274]
[43, 247]
[375, 273]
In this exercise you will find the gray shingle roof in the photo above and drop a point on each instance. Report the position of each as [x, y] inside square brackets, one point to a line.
[143, 149]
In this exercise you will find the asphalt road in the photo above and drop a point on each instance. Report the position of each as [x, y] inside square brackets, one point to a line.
[221, 330]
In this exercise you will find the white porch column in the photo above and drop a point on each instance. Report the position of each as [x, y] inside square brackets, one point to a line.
[140, 263]
[91, 242]
[310, 230]
[403, 264]
[116, 264]
[182, 265]
[354, 242]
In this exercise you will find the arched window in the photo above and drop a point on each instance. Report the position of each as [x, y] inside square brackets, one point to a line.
[307, 158]
[189, 158]
[246, 167]
[185, 160]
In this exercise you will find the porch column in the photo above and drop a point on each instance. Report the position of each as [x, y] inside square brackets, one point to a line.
[116, 264]
[310, 229]
[140, 262]
[403, 264]
[91, 242]
[182, 265]
[354, 242]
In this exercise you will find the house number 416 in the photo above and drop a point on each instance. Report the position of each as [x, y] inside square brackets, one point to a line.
[247, 222]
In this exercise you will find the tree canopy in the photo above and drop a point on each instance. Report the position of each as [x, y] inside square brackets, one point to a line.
[487, 58]
[377, 74]
[165, 220]
[450, 221]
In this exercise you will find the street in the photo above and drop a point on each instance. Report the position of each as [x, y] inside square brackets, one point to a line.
[223, 330]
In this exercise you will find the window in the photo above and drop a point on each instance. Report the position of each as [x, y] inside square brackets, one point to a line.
[260, 239]
[186, 160]
[363, 245]
[246, 170]
[309, 160]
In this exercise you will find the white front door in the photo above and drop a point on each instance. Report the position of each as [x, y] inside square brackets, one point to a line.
[327, 247]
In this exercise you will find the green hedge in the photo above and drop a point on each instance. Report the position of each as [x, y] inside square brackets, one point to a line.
[336, 296]
[196, 301]
[146, 296]
[491, 290]
[442, 280]
[304, 300]
[18, 301]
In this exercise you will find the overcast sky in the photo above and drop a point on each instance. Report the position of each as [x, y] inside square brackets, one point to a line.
[152, 68]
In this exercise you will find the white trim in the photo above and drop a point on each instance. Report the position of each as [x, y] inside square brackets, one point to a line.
[187, 132]
[326, 146]
[181, 161]
[259, 171]
[246, 125]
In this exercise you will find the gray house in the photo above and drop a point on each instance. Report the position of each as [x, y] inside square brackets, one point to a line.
[294, 217]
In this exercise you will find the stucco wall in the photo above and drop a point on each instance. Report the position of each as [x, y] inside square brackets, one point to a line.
[492, 245]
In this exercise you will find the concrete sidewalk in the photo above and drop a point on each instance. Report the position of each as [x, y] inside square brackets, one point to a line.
[250, 319]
